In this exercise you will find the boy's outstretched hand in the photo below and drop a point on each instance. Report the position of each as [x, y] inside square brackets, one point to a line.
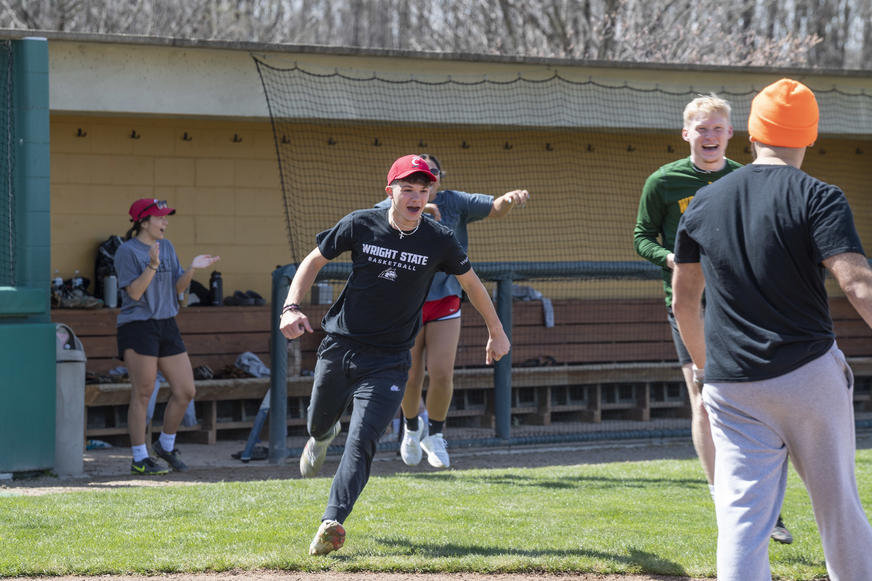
[293, 324]
[496, 348]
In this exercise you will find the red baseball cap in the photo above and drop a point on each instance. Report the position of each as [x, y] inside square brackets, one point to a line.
[145, 207]
[407, 165]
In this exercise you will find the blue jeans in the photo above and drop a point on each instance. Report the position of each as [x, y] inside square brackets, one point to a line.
[373, 381]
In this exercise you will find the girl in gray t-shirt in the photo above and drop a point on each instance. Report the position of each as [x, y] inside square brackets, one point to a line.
[151, 277]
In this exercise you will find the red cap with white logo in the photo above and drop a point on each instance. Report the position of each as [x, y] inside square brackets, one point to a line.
[407, 165]
[145, 207]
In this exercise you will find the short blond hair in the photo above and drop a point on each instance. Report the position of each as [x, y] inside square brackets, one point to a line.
[706, 105]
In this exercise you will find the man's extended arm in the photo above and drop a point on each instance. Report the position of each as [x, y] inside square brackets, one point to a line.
[854, 276]
[649, 223]
[497, 343]
[293, 322]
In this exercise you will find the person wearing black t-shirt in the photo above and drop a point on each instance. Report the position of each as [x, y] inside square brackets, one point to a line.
[364, 359]
[776, 387]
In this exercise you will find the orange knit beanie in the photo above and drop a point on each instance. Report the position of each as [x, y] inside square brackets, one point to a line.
[784, 114]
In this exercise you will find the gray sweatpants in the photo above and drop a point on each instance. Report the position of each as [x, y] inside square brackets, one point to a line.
[808, 416]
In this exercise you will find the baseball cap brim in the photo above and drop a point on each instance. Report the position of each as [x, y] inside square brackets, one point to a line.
[406, 174]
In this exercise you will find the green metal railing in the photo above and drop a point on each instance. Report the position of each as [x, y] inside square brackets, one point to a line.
[503, 273]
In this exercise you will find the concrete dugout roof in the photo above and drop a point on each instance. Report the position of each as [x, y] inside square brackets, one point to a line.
[136, 75]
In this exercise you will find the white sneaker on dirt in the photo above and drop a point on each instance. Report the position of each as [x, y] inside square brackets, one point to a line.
[315, 451]
[330, 537]
[437, 451]
[410, 448]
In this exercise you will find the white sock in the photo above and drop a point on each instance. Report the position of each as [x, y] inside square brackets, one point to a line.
[139, 452]
[712, 490]
[167, 441]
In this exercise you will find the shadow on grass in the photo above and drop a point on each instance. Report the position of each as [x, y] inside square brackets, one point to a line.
[643, 560]
[567, 483]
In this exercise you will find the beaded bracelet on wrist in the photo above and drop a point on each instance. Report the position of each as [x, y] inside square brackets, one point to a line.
[290, 307]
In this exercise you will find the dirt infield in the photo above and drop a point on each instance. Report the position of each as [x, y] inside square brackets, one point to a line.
[110, 468]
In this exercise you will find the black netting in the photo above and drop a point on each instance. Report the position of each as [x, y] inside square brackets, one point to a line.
[582, 148]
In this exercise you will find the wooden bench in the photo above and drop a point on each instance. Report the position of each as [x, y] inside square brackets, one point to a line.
[214, 336]
[603, 359]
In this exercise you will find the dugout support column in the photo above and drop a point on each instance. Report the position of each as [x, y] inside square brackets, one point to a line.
[503, 367]
[278, 402]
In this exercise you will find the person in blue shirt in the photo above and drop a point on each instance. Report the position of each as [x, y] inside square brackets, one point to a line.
[150, 278]
[435, 348]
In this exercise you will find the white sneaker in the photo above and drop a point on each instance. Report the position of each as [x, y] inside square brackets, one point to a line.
[437, 451]
[315, 452]
[410, 448]
[330, 537]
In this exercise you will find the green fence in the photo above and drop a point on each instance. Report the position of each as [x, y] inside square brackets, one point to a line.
[27, 336]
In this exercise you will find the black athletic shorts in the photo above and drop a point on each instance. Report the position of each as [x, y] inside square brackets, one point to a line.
[155, 337]
[683, 354]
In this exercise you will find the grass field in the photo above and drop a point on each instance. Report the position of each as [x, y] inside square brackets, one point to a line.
[631, 517]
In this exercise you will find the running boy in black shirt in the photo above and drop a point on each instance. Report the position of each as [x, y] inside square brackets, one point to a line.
[364, 358]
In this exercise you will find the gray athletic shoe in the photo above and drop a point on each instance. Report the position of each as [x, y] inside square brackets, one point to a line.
[173, 458]
[330, 537]
[148, 467]
[780, 534]
[315, 451]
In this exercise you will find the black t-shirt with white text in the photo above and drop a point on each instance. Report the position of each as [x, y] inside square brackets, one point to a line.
[380, 305]
[760, 235]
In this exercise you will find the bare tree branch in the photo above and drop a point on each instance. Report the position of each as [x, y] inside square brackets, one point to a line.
[678, 31]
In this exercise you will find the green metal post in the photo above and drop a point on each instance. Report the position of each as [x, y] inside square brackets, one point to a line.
[278, 402]
[503, 367]
[27, 336]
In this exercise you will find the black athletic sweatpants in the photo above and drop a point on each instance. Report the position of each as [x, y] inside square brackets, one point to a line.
[373, 380]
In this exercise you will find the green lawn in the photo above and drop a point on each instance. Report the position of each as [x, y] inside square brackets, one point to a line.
[651, 517]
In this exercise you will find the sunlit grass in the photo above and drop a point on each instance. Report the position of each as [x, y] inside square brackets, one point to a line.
[652, 517]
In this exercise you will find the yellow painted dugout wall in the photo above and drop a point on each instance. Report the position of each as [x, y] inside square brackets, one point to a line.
[222, 177]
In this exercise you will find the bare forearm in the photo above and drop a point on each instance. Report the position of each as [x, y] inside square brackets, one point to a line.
[477, 294]
[692, 329]
[305, 277]
[501, 208]
[498, 343]
[688, 284]
[294, 322]
[854, 276]
[185, 280]
[505, 203]
[137, 288]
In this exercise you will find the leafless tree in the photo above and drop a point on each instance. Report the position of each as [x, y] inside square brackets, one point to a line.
[805, 33]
